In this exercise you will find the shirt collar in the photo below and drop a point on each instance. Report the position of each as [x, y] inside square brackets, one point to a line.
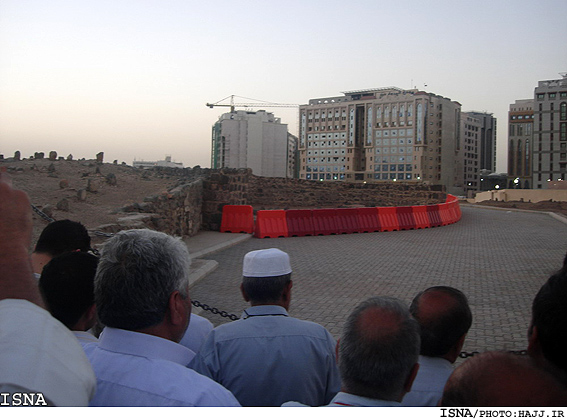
[264, 310]
[346, 399]
[144, 345]
[437, 362]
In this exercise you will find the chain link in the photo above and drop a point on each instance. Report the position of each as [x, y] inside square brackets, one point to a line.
[42, 214]
[215, 311]
[464, 354]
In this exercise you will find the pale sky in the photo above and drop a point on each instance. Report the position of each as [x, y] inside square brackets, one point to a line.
[131, 77]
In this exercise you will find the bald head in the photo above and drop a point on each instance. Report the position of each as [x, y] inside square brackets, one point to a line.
[502, 379]
[444, 315]
[378, 349]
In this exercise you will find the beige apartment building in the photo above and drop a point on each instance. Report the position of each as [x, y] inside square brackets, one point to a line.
[382, 135]
[256, 140]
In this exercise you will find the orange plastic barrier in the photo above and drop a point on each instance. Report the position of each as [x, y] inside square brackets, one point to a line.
[421, 217]
[406, 220]
[368, 219]
[388, 219]
[433, 215]
[237, 219]
[454, 208]
[446, 214]
[347, 221]
[284, 223]
[299, 222]
[271, 224]
[325, 222]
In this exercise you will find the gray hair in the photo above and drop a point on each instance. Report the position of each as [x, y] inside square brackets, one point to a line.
[376, 357]
[138, 271]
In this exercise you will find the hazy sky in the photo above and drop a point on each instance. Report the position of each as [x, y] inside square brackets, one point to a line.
[131, 77]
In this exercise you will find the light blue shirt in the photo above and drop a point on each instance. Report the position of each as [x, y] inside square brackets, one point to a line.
[343, 399]
[427, 388]
[135, 369]
[196, 333]
[267, 358]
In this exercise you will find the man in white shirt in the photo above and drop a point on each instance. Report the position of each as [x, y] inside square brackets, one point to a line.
[444, 317]
[39, 357]
[142, 297]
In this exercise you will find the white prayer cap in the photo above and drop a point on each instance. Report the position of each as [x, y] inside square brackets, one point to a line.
[266, 263]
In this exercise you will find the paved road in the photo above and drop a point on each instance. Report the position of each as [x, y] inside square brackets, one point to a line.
[499, 259]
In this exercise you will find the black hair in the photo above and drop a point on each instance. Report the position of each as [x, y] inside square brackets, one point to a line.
[63, 236]
[67, 286]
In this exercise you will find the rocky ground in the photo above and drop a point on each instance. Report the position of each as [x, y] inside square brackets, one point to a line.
[83, 190]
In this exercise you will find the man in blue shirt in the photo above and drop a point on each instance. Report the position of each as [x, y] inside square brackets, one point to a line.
[444, 317]
[142, 296]
[377, 355]
[267, 357]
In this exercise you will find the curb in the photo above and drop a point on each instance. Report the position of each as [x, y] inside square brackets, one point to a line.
[221, 246]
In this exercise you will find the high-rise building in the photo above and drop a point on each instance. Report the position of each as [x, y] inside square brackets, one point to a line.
[550, 132]
[385, 134]
[487, 139]
[478, 133]
[255, 140]
[470, 135]
[520, 143]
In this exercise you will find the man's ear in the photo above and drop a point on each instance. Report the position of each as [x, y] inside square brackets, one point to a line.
[287, 290]
[178, 309]
[534, 347]
[91, 315]
[411, 377]
[244, 294]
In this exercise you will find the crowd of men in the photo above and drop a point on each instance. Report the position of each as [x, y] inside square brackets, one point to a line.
[76, 329]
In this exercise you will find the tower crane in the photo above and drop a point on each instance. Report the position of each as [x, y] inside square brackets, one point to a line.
[258, 103]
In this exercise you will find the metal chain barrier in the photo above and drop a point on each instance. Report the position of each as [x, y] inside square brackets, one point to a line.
[215, 311]
[464, 354]
[42, 214]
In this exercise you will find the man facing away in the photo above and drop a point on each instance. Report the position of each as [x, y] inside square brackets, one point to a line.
[142, 296]
[444, 318]
[499, 379]
[67, 287]
[547, 335]
[377, 355]
[267, 357]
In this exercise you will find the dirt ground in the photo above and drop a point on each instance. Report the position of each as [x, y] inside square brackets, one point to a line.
[47, 187]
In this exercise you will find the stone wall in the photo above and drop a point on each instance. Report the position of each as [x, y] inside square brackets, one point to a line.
[230, 186]
[177, 212]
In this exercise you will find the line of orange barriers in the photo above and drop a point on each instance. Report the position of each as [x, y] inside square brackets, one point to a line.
[287, 223]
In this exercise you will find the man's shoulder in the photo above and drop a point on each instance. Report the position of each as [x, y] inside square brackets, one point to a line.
[271, 325]
[136, 379]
